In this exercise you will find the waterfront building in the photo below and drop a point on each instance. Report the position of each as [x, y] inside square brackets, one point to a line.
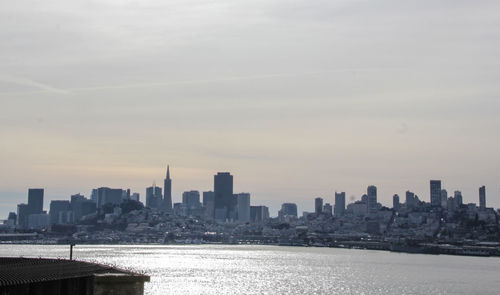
[482, 198]
[339, 204]
[318, 205]
[35, 200]
[395, 202]
[167, 197]
[224, 200]
[243, 207]
[372, 199]
[153, 197]
[435, 192]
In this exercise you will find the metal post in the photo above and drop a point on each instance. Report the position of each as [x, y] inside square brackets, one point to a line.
[71, 251]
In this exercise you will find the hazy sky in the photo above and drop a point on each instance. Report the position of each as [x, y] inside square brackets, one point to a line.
[296, 99]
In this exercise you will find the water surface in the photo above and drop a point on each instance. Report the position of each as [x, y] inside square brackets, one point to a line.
[219, 269]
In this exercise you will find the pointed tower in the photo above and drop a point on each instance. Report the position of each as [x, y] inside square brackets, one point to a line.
[167, 196]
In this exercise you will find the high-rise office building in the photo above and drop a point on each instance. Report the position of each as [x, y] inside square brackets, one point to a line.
[410, 200]
[106, 195]
[167, 197]
[457, 195]
[318, 205]
[259, 214]
[22, 215]
[288, 209]
[224, 199]
[482, 198]
[153, 197]
[327, 209]
[135, 197]
[82, 206]
[35, 200]
[372, 199]
[243, 207]
[435, 190]
[191, 200]
[395, 202]
[209, 204]
[339, 206]
[444, 198]
[57, 207]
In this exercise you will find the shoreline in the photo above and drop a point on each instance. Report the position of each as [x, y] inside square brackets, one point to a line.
[428, 249]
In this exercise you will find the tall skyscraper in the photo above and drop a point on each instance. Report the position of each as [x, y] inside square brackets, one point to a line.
[35, 200]
[457, 195]
[435, 188]
[82, 206]
[243, 207]
[167, 197]
[410, 200]
[209, 204]
[372, 199]
[58, 207]
[339, 208]
[482, 198]
[224, 199]
[191, 200]
[318, 205]
[444, 198]
[153, 197]
[22, 215]
[395, 202]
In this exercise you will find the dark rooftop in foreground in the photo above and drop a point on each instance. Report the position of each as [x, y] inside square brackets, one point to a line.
[37, 273]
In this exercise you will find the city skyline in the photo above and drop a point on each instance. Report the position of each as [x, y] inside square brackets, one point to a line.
[371, 192]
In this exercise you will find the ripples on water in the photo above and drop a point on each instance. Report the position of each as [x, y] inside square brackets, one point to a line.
[218, 269]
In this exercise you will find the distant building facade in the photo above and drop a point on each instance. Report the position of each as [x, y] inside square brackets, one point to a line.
[224, 199]
[339, 206]
[243, 206]
[435, 191]
[482, 198]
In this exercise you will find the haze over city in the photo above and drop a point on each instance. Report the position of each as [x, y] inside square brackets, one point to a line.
[295, 99]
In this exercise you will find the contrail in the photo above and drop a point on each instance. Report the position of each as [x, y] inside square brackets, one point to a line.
[46, 88]
[207, 81]
[30, 83]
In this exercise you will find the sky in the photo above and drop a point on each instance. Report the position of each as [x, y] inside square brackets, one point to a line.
[296, 98]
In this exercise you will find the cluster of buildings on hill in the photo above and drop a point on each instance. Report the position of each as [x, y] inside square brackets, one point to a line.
[219, 205]
[222, 216]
